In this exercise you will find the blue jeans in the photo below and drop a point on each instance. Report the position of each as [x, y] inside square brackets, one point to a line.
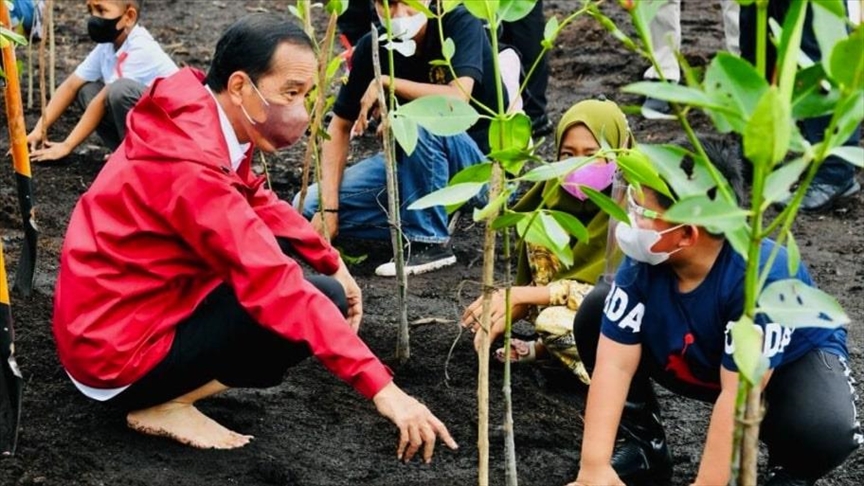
[363, 193]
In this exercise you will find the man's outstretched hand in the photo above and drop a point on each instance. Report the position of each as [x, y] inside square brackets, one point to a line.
[417, 426]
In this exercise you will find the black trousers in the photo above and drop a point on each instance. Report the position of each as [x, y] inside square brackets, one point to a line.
[220, 341]
[525, 35]
[810, 425]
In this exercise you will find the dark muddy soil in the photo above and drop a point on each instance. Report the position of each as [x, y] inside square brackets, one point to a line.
[315, 430]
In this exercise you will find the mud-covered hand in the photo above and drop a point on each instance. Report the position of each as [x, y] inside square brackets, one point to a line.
[417, 426]
[597, 476]
[352, 294]
[369, 106]
[52, 151]
[471, 318]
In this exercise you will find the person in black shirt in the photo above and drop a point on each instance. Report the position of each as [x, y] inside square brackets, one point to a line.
[354, 199]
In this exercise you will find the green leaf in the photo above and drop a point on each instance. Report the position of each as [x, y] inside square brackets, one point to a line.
[667, 159]
[610, 27]
[512, 159]
[778, 184]
[475, 173]
[483, 9]
[513, 132]
[406, 132]
[606, 204]
[333, 66]
[849, 113]
[853, 155]
[351, 260]
[508, 219]
[789, 51]
[716, 215]
[740, 240]
[555, 169]
[674, 93]
[793, 254]
[337, 6]
[513, 10]
[550, 32]
[441, 115]
[448, 196]
[638, 169]
[449, 5]
[792, 303]
[767, 136]
[747, 340]
[829, 27]
[809, 100]
[295, 12]
[571, 224]
[492, 206]
[847, 61]
[420, 7]
[733, 83]
[12, 36]
[448, 49]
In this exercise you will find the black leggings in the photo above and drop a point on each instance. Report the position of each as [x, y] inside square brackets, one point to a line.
[220, 341]
[810, 425]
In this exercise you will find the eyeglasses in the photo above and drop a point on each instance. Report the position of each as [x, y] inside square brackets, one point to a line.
[638, 210]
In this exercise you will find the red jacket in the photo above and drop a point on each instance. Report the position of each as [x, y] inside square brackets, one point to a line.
[164, 223]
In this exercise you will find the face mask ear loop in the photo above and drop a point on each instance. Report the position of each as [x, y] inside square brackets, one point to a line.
[266, 103]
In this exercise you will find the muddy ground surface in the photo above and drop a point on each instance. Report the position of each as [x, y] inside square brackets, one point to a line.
[315, 430]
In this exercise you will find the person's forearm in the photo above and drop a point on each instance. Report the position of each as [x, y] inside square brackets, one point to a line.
[717, 456]
[89, 120]
[411, 90]
[63, 97]
[606, 397]
[334, 154]
[530, 295]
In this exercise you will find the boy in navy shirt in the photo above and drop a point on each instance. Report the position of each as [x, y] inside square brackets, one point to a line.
[667, 316]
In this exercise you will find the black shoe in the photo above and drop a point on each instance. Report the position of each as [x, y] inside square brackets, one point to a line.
[420, 258]
[541, 126]
[822, 197]
[782, 477]
[655, 109]
[641, 452]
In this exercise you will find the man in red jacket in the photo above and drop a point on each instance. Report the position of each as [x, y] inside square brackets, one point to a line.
[174, 283]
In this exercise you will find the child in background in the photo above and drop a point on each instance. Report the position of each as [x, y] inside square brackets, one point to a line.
[109, 81]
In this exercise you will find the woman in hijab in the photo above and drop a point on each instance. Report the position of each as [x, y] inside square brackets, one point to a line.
[547, 292]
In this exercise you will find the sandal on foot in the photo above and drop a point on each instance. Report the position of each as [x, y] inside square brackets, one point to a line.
[526, 351]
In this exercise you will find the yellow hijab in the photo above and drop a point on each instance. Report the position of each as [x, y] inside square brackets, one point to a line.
[604, 119]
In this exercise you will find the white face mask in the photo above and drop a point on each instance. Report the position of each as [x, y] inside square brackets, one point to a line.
[637, 242]
[405, 29]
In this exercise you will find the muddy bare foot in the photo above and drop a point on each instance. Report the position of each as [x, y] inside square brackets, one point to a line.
[185, 424]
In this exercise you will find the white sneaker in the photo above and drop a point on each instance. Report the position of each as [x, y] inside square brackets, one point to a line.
[422, 258]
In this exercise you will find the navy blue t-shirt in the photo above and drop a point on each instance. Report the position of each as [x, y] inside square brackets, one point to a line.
[686, 334]
[472, 58]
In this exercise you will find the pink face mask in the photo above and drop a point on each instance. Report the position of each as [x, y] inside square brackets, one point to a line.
[284, 124]
[597, 175]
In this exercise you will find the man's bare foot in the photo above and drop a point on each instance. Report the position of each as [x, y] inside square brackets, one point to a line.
[185, 424]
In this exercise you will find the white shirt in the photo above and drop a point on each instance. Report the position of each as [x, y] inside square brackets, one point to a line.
[140, 58]
[236, 151]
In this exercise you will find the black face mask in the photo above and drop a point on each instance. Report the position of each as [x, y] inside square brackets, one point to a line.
[103, 30]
